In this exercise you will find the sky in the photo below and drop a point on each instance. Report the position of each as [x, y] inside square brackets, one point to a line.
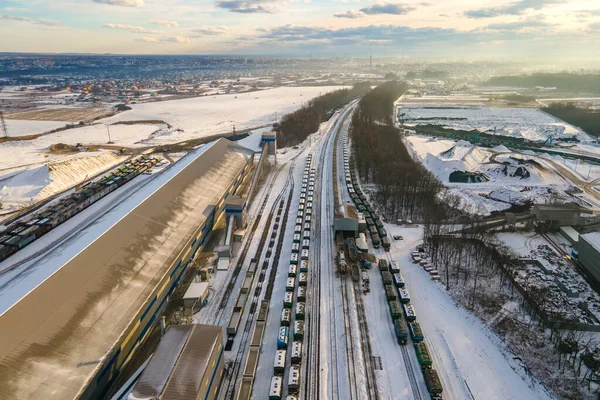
[453, 29]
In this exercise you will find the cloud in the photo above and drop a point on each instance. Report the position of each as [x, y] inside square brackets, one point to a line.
[515, 8]
[211, 30]
[256, 6]
[387, 8]
[518, 25]
[37, 21]
[162, 22]
[352, 14]
[171, 39]
[126, 3]
[594, 27]
[377, 9]
[130, 28]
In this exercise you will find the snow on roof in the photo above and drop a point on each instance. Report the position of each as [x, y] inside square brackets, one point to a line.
[593, 239]
[196, 290]
[83, 296]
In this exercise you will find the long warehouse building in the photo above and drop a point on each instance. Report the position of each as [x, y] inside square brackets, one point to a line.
[71, 335]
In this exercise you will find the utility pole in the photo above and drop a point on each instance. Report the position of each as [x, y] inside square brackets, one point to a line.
[3, 123]
[108, 131]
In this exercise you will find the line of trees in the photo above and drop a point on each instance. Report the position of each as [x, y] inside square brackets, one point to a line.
[295, 127]
[404, 188]
[583, 117]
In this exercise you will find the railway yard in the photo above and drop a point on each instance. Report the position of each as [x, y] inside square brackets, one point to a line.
[306, 312]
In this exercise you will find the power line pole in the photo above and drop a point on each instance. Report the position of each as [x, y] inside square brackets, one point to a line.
[3, 123]
[108, 131]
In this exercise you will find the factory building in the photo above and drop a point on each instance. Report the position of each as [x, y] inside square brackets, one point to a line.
[187, 365]
[72, 334]
[588, 247]
[346, 221]
[557, 215]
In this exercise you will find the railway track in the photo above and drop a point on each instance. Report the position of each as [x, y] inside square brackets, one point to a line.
[410, 371]
[230, 379]
[349, 340]
[243, 255]
[371, 378]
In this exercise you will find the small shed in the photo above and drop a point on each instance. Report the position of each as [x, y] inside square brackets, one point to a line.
[195, 296]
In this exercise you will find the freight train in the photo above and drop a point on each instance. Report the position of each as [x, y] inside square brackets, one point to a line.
[26, 230]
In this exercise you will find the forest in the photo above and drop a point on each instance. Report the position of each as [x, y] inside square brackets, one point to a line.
[404, 188]
[295, 127]
[584, 83]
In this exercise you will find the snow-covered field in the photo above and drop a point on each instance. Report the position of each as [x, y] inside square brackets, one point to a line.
[527, 123]
[29, 127]
[471, 360]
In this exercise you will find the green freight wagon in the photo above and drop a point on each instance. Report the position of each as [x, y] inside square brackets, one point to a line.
[378, 224]
[387, 278]
[400, 329]
[383, 265]
[415, 331]
[423, 355]
[382, 233]
[395, 309]
[390, 293]
[385, 242]
[432, 380]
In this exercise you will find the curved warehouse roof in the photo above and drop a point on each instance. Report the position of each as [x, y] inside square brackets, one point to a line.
[54, 340]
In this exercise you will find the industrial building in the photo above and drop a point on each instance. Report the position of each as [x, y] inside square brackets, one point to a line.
[346, 221]
[71, 335]
[557, 215]
[187, 365]
[588, 247]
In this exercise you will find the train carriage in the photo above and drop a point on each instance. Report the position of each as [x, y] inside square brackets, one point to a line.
[390, 293]
[263, 311]
[382, 264]
[300, 311]
[432, 380]
[288, 300]
[302, 279]
[298, 229]
[279, 363]
[400, 330]
[286, 316]
[387, 278]
[303, 265]
[295, 247]
[382, 233]
[423, 355]
[276, 387]
[301, 293]
[365, 277]
[294, 259]
[290, 285]
[296, 352]
[395, 309]
[385, 242]
[294, 380]
[415, 331]
[282, 338]
[298, 330]
[404, 297]
[409, 312]
[394, 267]
[376, 241]
[306, 235]
[306, 244]
[398, 280]
[304, 254]
[292, 271]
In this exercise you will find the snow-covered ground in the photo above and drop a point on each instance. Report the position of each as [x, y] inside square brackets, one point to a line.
[527, 123]
[504, 168]
[27, 127]
[471, 360]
